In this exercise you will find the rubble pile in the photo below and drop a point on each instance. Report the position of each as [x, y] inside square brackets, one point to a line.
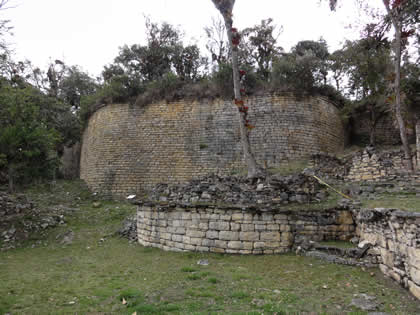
[237, 190]
[19, 218]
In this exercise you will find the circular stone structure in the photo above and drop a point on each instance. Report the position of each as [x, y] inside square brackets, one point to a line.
[127, 149]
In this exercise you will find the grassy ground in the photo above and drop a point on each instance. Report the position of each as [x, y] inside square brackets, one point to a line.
[103, 274]
[402, 201]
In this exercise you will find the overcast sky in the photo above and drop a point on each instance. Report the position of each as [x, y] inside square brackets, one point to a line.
[89, 33]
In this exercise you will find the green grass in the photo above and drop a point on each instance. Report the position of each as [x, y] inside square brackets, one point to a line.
[113, 276]
[402, 201]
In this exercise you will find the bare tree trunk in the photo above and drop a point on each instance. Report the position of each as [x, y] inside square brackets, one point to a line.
[10, 174]
[372, 125]
[418, 140]
[225, 7]
[397, 85]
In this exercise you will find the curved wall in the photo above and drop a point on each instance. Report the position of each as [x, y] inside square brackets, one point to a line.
[236, 230]
[128, 149]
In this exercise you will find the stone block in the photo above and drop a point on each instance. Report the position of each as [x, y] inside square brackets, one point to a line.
[259, 245]
[387, 257]
[248, 217]
[246, 227]
[220, 226]
[186, 239]
[285, 228]
[270, 236]
[178, 223]
[237, 216]
[186, 216]
[203, 226]
[260, 227]
[229, 235]
[235, 245]
[214, 216]
[249, 236]
[207, 242]
[225, 217]
[235, 226]
[217, 250]
[414, 274]
[220, 244]
[267, 217]
[414, 289]
[273, 227]
[414, 257]
[280, 217]
[190, 247]
[248, 245]
[196, 233]
[196, 240]
[212, 235]
[203, 248]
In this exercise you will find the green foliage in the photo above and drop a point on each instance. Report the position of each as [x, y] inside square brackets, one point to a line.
[258, 47]
[27, 142]
[303, 70]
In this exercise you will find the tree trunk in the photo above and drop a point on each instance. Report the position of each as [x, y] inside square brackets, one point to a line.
[397, 86]
[418, 140]
[225, 8]
[372, 126]
[10, 174]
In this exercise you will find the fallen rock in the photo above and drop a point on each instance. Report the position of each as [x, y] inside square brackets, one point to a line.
[364, 302]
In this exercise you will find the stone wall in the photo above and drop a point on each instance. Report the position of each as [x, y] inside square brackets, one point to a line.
[128, 149]
[237, 230]
[386, 131]
[70, 162]
[369, 165]
[395, 237]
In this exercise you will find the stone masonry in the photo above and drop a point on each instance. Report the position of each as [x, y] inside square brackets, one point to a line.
[237, 230]
[395, 237]
[128, 149]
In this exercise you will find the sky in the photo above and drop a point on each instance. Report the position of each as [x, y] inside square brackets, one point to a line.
[88, 33]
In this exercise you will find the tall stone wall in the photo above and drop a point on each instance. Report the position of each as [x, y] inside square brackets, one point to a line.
[127, 149]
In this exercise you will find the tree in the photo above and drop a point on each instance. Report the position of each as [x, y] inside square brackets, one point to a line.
[225, 7]
[304, 69]
[164, 54]
[404, 16]
[27, 144]
[368, 65]
[410, 85]
[216, 42]
[258, 47]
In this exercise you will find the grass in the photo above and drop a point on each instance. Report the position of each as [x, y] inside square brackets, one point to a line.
[402, 201]
[112, 276]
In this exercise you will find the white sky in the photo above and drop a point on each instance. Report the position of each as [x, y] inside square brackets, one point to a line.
[89, 33]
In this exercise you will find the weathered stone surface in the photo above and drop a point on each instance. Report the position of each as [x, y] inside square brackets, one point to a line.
[235, 245]
[270, 236]
[249, 236]
[229, 235]
[414, 289]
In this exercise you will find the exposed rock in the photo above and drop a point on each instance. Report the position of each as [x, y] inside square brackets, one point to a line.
[365, 302]
[20, 218]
